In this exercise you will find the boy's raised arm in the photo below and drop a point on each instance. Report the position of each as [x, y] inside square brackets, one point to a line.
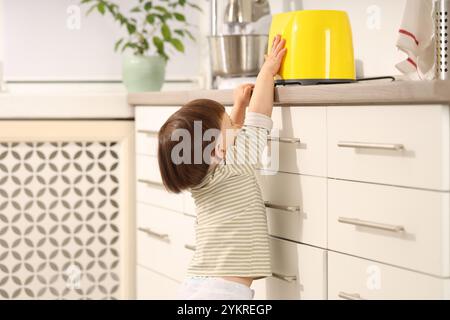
[263, 93]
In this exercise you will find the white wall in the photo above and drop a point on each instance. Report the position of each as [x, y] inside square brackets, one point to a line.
[39, 45]
[375, 25]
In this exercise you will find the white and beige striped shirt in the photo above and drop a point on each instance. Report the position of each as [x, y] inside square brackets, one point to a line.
[231, 230]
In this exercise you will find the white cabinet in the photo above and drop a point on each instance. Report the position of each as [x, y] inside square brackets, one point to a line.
[65, 195]
[164, 237]
[150, 119]
[399, 226]
[301, 139]
[395, 145]
[165, 221]
[154, 286]
[299, 271]
[296, 206]
[354, 278]
[361, 194]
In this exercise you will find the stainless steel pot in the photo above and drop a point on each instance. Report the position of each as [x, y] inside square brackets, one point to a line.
[237, 55]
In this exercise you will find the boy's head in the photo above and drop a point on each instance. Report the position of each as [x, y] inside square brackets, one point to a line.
[186, 143]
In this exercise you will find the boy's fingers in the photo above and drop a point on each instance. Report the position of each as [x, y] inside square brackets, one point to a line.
[280, 46]
[281, 54]
[276, 40]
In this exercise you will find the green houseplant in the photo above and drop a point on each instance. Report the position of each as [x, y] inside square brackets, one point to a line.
[152, 28]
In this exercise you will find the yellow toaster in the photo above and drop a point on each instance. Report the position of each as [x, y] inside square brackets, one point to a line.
[319, 47]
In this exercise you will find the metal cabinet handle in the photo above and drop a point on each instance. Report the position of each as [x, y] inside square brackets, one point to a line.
[189, 247]
[148, 132]
[284, 140]
[374, 225]
[365, 145]
[189, 215]
[350, 296]
[161, 236]
[283, 277]
[268, 204]
[151, 183]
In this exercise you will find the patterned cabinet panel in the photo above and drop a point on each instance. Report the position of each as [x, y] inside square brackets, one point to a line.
[65, 210]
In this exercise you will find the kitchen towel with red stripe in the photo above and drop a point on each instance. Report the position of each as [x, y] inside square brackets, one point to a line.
[416, 39]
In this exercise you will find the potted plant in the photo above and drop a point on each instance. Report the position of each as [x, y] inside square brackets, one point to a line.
[152, 28]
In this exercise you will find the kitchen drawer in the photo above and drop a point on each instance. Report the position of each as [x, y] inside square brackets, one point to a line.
[296, 206]
[400, 226]
[147, 142]
[156, 194]
[396, 145]
[308, 125]
[152, 118]
[154, 286]
[260, 288]
[147, 169]
[299, 271]
[354, 278]
[165, 240]
[189, 204]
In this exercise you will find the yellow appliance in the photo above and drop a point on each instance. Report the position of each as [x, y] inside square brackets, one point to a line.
[319, 47]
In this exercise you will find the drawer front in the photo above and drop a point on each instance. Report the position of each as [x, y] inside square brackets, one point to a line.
[299, 271]
[296, 206]
[152, 118]
[156, 194]
[399, 226]
[147, 169]
[147, 142]
[309, 126]
[189, 204]
[260, 288]
[396, 145]
[154, 286]
[164, 237]
[355, 278]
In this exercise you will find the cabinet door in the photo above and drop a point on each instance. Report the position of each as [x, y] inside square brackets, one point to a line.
[353, 278]
[299, 271]
[155, 286]
[395, 145]
[302, 140]
[66, 219]
[296, 206]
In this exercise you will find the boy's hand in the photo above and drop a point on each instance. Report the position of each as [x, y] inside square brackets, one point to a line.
[242, 95]
[273, 60]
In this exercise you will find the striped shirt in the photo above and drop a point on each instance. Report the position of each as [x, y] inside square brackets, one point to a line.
[231, 229]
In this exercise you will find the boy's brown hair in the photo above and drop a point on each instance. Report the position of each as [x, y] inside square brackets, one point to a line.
[179, 177]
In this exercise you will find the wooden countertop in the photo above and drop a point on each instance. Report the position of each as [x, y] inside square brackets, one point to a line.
[363, 93]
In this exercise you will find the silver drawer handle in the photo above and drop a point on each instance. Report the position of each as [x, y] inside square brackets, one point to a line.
[189, 215]
[149, 132]
[350, 296]
[189, 247]
[283, 277]
[161, 236]
[364, 145]
[284, 140]
[151, 183]
[369, 224]
[268, 204]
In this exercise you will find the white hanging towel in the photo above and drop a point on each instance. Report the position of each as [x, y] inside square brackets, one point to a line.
[416, 39]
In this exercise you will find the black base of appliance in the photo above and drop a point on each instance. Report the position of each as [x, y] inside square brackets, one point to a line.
[311, 82]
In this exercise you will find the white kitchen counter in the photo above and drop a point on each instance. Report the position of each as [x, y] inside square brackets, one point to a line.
[63, 105]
